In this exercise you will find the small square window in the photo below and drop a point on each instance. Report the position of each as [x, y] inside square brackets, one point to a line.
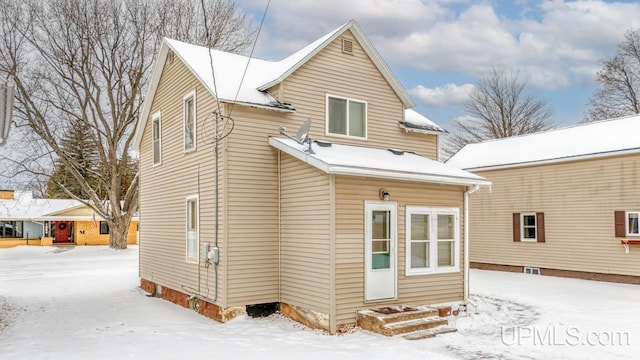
[528, 227]
[104, 228]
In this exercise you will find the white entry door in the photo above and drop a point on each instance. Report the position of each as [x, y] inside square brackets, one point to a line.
[380, 250]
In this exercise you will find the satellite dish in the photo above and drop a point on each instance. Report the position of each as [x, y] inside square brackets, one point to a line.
[6, 109]
[303, 135]
[303, 132]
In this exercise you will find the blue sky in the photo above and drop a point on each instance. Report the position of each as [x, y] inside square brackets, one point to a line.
[439, 48]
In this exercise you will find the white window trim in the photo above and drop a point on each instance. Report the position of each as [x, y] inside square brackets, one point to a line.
[326, 117]
[186, 229]
[190, 95]
[157, 115]
[433, 213]
[535, 227]
[626, 223]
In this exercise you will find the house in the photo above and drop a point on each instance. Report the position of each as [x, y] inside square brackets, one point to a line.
[28, 221]
[563, 202]
[316, 227]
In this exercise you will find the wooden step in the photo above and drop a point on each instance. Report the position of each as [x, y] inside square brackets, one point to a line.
[419, 313]
[429, 333]
[413, 325]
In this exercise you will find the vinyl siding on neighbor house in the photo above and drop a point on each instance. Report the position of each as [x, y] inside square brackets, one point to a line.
[164, 188]
[351, 193]
[306, 239]
[578, 200]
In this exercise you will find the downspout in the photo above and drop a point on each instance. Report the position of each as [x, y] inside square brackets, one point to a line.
[475, 188]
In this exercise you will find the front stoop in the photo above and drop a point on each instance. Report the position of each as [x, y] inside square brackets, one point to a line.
[410, 322]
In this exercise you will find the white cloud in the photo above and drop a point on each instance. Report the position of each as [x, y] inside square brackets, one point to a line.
[447, 96]
[552, 44]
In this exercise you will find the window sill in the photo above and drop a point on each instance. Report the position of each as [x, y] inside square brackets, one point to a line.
[340, 136]
[433, 272]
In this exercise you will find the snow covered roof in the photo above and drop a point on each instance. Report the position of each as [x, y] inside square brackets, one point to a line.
[250, 89]
[598, 139]
[376, 162]
[27, 208]
[413, 121]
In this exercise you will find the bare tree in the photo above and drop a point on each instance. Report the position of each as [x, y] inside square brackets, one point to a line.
[618, 91]
[500, 106]
[87, 61]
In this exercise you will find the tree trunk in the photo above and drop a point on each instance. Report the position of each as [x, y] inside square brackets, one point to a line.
[118, 230]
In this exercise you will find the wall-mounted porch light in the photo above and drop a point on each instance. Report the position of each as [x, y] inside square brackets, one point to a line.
[384, 195]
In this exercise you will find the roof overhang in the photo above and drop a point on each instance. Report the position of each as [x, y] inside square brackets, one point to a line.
[371, 51]
[418, 168]
[557, 160]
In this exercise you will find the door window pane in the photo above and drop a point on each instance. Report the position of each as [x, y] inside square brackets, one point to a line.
[381, 225]
[192, 229]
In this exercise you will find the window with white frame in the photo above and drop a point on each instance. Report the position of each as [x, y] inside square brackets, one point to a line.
[433, 240]
[156, 138]
[346, 117]
[528, 227]
[189, 115]
[192, 229]
[632, 223]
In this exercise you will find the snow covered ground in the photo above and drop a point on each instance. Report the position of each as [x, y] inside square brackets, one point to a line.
[84, 303]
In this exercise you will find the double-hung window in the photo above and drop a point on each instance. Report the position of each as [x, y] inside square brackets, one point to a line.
[192, 228]
[156, 138]
[433, 240]
[528, 227]
[346, 117]
[189, 115]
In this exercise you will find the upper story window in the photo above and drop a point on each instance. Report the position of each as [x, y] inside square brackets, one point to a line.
[346, 117]
[156, 135]
[189, 115]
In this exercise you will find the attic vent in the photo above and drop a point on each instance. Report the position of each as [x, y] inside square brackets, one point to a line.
[396, 152]
[170, 57]
[347, 46]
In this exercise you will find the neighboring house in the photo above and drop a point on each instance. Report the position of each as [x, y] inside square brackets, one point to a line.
[322, 233]
[28, 221]
[563, 202]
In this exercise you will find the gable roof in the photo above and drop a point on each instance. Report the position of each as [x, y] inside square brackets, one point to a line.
[375, 162]
[234, 86]
[27, 208]
[592, 140]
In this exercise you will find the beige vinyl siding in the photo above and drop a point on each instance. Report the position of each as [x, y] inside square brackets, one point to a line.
[252, 198]
[353, 76]
[305, 236]
[164, 188]
[351, 193]
[578, 200]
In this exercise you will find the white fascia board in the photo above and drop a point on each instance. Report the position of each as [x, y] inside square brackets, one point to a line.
[387, 174]
[151, 92]
[421, 131]
[377, 173]
[555, 161]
